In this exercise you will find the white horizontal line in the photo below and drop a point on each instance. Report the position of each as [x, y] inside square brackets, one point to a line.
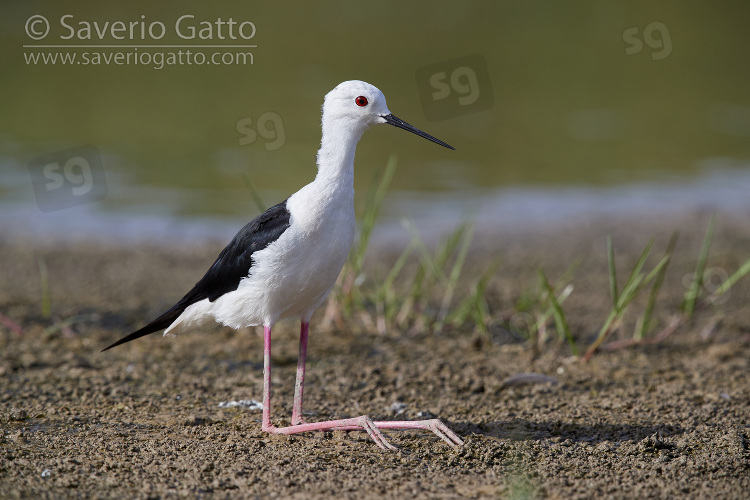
[138, 46]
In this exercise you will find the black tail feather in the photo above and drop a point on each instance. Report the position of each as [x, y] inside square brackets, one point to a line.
[226, 273]
[160, 323]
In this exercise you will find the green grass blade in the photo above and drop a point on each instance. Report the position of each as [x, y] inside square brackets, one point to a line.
[531, 301]
[606, 327]
[475, 304]
[398, 266]
[466, 233]
[733, 279]
[693, 292]
[388, 294]
[563, 330]
[661, 271]
[445, 251]
[635, 278]
[428, 263]
[254, 194]
[629, 291]
[369, 217]
[561, 297]
[59, 325]
[612, 272]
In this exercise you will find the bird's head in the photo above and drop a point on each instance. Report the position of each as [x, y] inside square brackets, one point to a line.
[359, 105]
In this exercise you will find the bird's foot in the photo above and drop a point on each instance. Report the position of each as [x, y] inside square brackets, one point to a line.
[373, 429]
[434, 425]
[348, 424]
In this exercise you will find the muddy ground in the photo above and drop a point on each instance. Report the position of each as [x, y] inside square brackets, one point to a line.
[670, 420]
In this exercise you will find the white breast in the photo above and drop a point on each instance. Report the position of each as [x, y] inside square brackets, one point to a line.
[293, 275]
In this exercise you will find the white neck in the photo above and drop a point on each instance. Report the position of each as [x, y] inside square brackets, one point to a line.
[336, 154]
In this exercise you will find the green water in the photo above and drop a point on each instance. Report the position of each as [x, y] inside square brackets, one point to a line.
[597, 92]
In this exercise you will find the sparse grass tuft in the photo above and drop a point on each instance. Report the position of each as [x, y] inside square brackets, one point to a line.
[422, 289]
[621, 299]
[557, 312]
[451, 253]
[475, 306]
[690, 303]
[425, 299]
[540, 303]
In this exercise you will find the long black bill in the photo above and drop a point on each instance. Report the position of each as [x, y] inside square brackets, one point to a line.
[397, 122]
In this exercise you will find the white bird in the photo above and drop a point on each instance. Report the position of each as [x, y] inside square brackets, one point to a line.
[285, 262]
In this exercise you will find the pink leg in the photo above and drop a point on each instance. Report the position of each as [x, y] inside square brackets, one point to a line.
[299, 383]
[266, 424]
[434, 425]
[357, 423]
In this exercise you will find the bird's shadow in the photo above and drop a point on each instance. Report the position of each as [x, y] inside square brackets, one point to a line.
[525, 430]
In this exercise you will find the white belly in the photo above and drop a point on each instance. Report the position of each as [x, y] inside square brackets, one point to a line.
[294, 274]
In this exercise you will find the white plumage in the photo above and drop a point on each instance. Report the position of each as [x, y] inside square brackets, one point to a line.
[293, 275]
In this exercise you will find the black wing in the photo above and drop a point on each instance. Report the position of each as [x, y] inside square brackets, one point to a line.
[230, 267]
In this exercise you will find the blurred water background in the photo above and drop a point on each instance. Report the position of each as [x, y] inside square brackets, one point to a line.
[558, 111]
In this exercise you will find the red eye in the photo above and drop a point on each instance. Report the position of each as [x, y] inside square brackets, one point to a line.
[361, 101]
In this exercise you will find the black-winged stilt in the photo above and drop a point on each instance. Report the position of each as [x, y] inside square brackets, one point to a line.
[285, 261]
